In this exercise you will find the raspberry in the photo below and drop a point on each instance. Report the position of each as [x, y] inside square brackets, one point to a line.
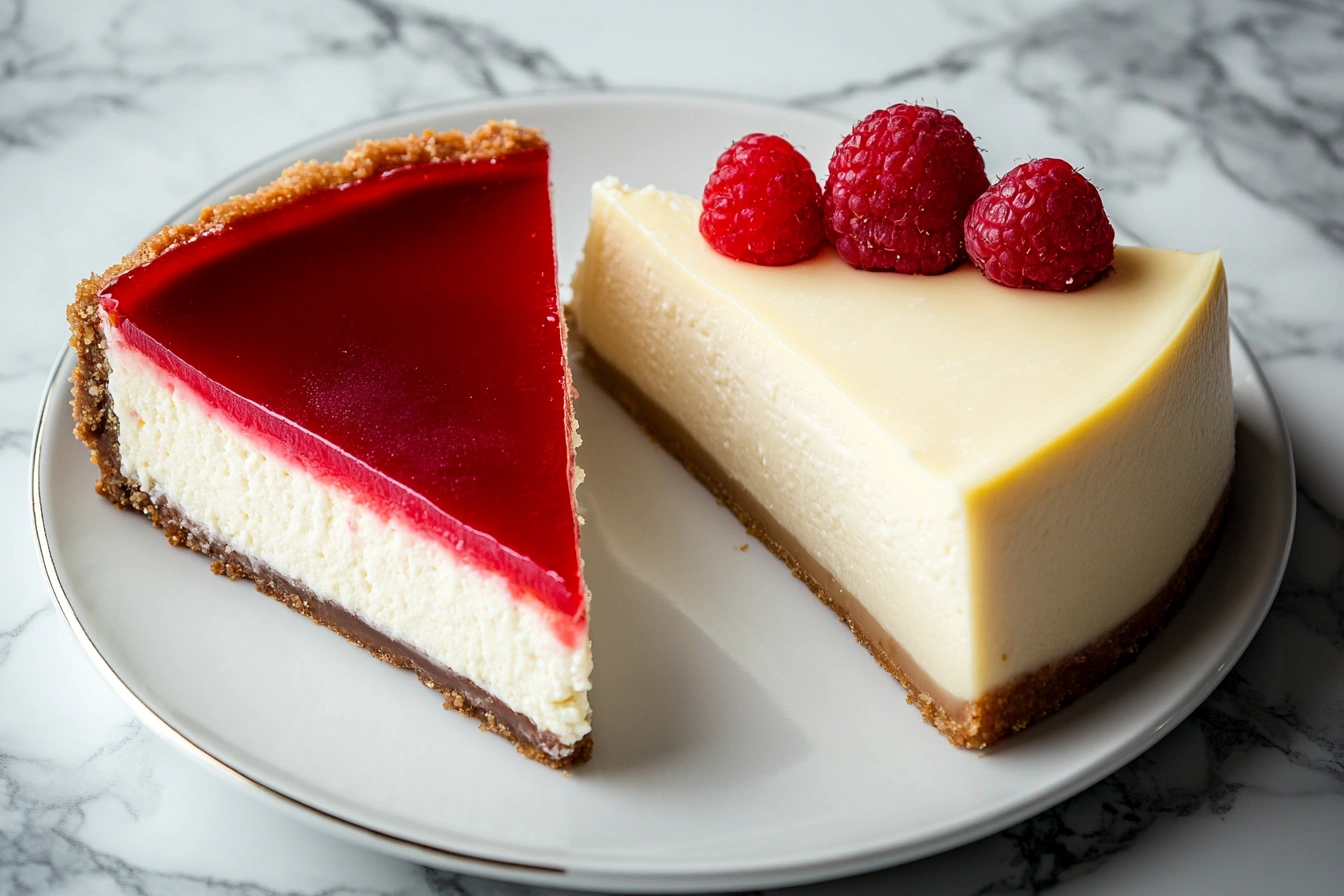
[898, 190]
[1041, 227]
[762, 203]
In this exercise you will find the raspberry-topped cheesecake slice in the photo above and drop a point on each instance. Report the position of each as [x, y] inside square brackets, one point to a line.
[350, 387]
[1003, 480]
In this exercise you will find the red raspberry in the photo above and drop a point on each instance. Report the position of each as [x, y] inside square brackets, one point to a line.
[1041, 227]
[762, 203]
[898, 190]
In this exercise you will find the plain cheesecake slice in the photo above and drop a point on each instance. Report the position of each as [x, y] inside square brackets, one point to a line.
[1002, 492]
[350, 387]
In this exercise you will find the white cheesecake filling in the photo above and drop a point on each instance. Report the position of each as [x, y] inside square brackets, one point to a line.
[404, 583]
[999, 476]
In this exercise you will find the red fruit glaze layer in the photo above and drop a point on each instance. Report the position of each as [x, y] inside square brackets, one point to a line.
[401, 335]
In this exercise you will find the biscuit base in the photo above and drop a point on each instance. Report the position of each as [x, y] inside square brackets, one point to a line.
[98, 427]
[973, 724]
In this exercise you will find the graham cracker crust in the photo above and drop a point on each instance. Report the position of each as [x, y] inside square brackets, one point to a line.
[460, 693]
[96, 423]
[974, 724]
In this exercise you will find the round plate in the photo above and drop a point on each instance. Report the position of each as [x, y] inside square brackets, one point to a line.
[743, 738]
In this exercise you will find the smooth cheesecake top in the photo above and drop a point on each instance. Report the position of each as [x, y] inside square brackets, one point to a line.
[967, 376]
[398, 332]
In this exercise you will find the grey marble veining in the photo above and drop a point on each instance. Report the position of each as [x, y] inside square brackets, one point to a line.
[53, 86]
[1204, 122]
[481, 55]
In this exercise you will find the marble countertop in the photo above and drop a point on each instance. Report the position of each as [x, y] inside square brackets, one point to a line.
[1206, 124]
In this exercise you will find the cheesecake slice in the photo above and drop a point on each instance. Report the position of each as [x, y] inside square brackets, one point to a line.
[1002, 492]
[350, 387]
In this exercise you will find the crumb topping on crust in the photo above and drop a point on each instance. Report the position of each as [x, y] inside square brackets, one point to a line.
[366, 158]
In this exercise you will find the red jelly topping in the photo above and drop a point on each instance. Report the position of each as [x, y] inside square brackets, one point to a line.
[400, 336]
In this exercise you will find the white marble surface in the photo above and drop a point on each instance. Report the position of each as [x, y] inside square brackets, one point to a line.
[1206, 123]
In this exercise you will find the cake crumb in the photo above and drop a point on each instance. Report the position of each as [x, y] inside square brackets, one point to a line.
[743, 548]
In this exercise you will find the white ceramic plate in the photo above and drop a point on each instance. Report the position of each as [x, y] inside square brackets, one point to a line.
[743, 738]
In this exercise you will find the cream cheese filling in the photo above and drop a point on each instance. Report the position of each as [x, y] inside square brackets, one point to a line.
[410, 586]
[1000, 476]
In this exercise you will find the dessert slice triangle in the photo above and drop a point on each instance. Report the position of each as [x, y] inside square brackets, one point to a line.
[1002, 492]
[351, 388]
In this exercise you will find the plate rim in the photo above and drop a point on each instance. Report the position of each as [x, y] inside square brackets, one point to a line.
[741, 876]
